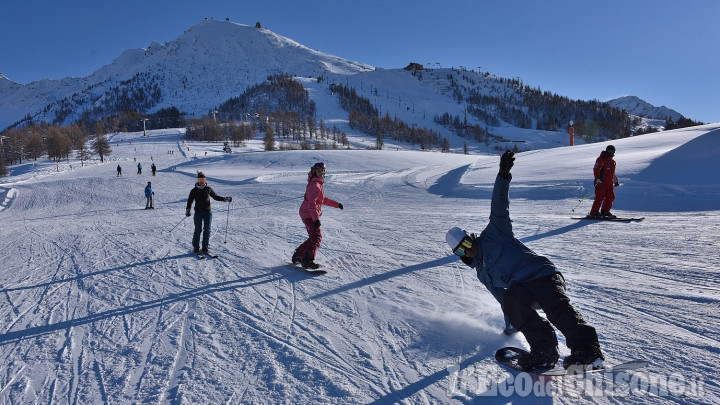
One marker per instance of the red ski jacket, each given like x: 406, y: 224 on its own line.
x: 311, y: 206
x: 605, y: 168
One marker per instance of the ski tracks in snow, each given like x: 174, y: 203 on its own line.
x: 112, y: 307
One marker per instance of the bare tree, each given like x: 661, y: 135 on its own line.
x: 58, y: 143
x: 101, y: 145
x: 3, y: 168
x: 269, y: 139
x: 35, y: 145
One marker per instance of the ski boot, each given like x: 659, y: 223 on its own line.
x: 585, y: 359
x: 308, y: 263
x: 536, y: 361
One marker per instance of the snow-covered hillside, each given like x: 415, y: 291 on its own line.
x: 102, y: 301
x: 215, y: 61
x: 206, y: 65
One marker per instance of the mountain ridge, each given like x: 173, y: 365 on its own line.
x: 637, y: 106
x: 195, y: 76
x: 214, y: 61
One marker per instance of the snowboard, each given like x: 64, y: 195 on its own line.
x: 611, y: 219
x: 314, y: 272
x: 203, y: 255
x: 509, y: 357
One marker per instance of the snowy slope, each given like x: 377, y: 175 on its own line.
x: 102, y: 303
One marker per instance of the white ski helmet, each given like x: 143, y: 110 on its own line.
x: 454, y: 236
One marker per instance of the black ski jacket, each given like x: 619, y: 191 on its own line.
x: 201, y: 196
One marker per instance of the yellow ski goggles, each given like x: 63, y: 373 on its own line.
x: 464, y: 245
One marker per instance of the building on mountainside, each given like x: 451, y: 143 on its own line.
x: 414, y: 66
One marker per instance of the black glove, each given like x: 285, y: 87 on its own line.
x: 187, y: 212
x: 317, y: 223
x: 507, y: 160
x: 228, y: 199
x: 616, y: 184
x: 340, y: 205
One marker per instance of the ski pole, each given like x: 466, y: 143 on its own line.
x: 177, y: 224
x: 227, y: 222
x: 583, y: 199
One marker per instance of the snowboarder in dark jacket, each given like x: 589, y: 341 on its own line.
x: 200, y: 194
x: 605, y: 183
x: 530, y: 282
x: 119, y: 171
x: 153, y: 168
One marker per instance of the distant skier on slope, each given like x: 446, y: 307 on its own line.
x: 139, y: 169
x: 310, y: 213
x: 149, y: 193
x: 153, y: 168
x: 119, y: 171
x: 530, y: 282
x: 605, y: 183
x: 200, y: 194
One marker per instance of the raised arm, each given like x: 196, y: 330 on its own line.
x: 500, y: 204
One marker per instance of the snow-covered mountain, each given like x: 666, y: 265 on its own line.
x: 209, y: 63
x: 636, y: 106
x: 214, y: 61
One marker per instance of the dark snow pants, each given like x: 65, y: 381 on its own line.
x: 310, y: 247
x: 549, y: 293
x: 203, y: 220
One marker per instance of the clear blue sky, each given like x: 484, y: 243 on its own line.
x: 666, y: 52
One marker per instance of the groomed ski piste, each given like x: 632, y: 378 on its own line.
x: 103, y: 302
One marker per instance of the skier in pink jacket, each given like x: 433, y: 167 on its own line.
x: 310, y: 212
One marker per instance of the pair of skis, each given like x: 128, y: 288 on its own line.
x: 619, y: 219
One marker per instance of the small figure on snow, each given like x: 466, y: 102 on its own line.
x: 119, y: 171
x: 153, y: 168
x: 310, y: 213
x: 529, y: 281
x: 200, y: 194
x: 605, y: 183
x: 139, y: 168
x: 149, y: 193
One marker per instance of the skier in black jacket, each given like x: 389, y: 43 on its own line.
x: 201, y: 194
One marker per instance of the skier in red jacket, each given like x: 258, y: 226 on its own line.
x: 605, y: 183
x: 310, y: 212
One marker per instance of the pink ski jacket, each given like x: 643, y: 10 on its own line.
x: 311, y: 206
